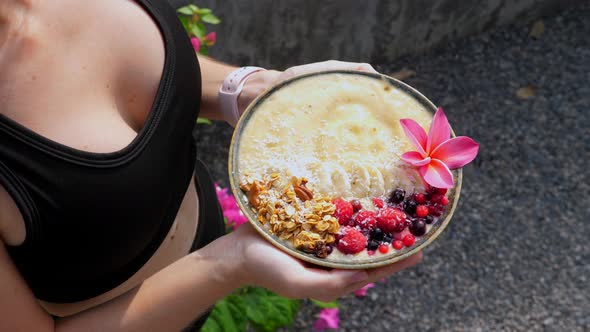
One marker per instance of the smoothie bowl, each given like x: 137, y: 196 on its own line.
x: 341, y: 168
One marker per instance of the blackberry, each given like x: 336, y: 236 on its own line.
x: 397, y: 196
x: 387, y: 238
x: 377, y: 234
x: 429, y: 219
x: 372, y: 245
x: 418, y: 227
x: 410, y: 206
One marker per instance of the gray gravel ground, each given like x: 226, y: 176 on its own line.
x: 516, y: 256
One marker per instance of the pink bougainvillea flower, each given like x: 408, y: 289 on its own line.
x: 437, y: 153
x: 362, y: 292
x: 328, y: 319
x: 230, y: 208
x: 210, y: 38
x: 196, y: 43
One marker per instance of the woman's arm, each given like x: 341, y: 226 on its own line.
x: 213, y: 73
x: 175, y: 296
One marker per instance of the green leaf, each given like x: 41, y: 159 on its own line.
x: 210, y: 18
x: 198, y: 30
x: 268, y: 311
x: 204, y: 11
x: 229, y: 314
x: 185, y: 23
x: 185, y: 11
x: 204, y: 50
x: 333, y: 304
x: 203, y: 121
x: 193, y: 8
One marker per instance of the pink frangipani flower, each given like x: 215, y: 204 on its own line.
x: 437, y: 153
x: 362, y: 292
x: 328, y: 319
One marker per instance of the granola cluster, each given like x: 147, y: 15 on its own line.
x: 294, y: 212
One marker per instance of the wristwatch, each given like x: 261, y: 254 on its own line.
x: 230, y: 91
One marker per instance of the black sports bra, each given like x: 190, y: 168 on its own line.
x: 93, y: 219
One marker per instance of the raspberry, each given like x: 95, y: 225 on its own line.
x: 397, y: 244
x: 409, y: 240
x: 343, y: 211
x: 420, y: 198
x: 378, y: 202
x: 352, y: 241
x: 383, y: 248
x: 366, y: 219
x: 422, y: 211
x: 391, y: 220
x: 356, y: 205
x: 444, y: 200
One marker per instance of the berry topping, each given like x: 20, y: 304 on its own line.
x: 378, y: 235
x: 440, y: 191
x: 356, y: 205
x: 436, y: 198
x: 418, y: 227
x: 397, y: 244
x: 422, y: 210
x: 343, y: 211
x: 435, y: 210
x: 373, y: 245
x: 401, y: 235
x: 397, y: 196
x: 420, y: 198
x: 366, y: 219
x: 370, y: 252
x: 391, y: 220
x: 387, y: 238
x: 352, y: 241
x: 444, y: 201
x: 410, y: 206
x: 409, y: 240
x: 429, y: 219
x: 378, y: 202
x: 383, y: 248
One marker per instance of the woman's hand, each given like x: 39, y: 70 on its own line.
x: 262, y: 80
x: 262, y: 264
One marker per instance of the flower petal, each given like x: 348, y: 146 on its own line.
x: 440, y: 131
x: 456, y: 152
x: 415, y: 159
x: 362, y: 292
x: 416, y: 134
x: 437, y: 174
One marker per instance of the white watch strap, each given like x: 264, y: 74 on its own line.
x: 231, y: 89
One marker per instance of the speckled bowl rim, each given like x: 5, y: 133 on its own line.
x: 378, y: 260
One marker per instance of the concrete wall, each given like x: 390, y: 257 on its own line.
x: 280, y: 33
